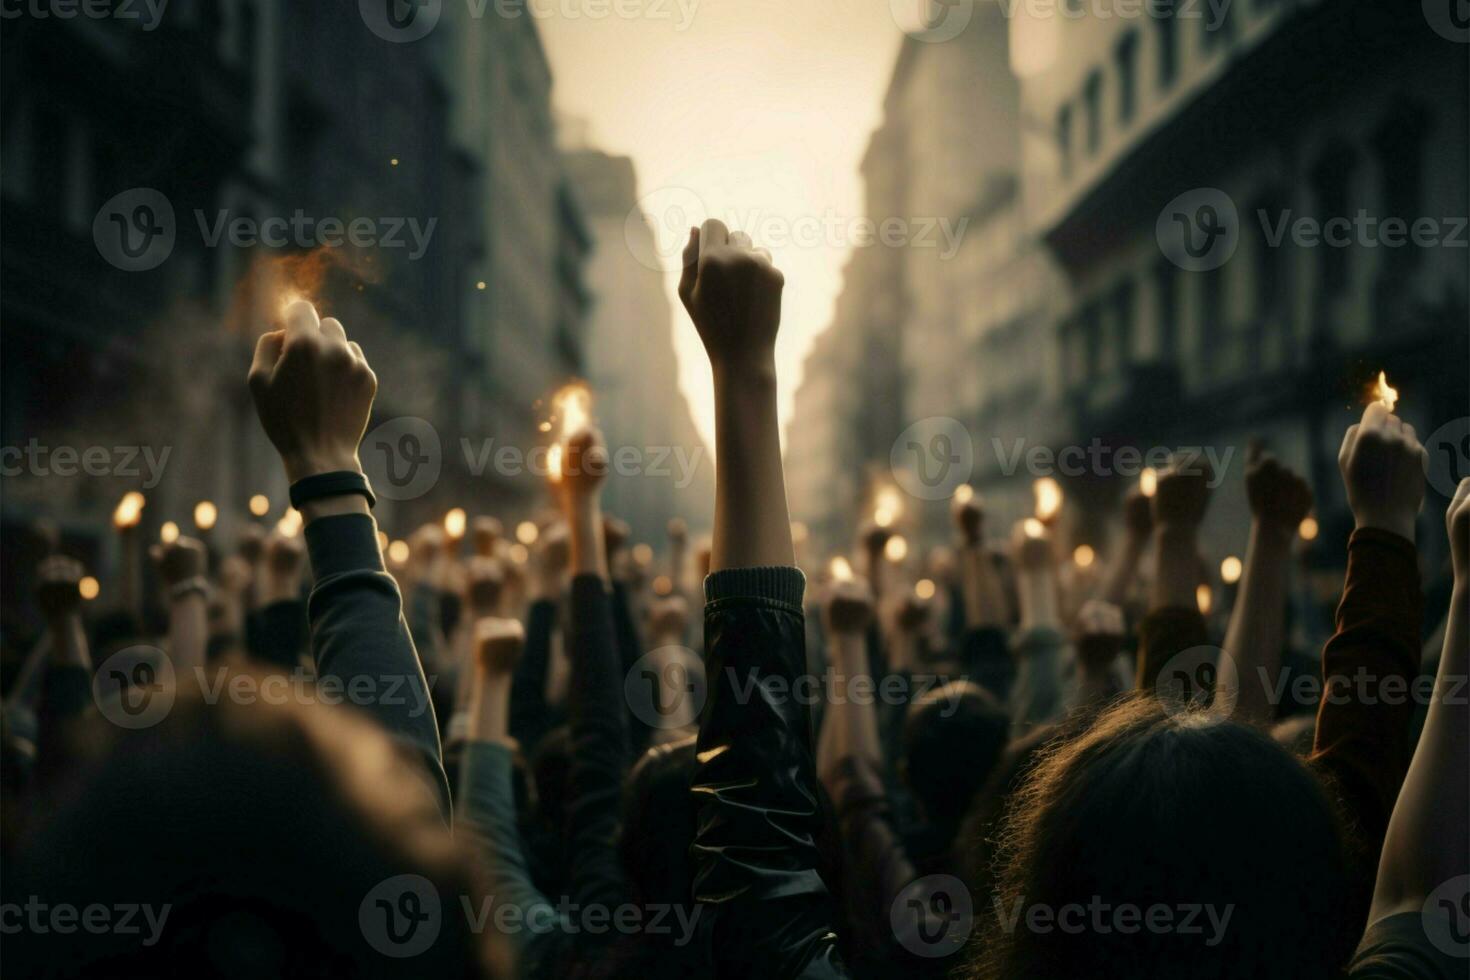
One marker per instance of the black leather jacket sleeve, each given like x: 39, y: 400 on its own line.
x: 764, y: 909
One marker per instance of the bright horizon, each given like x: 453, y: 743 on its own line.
x: 757, y: 113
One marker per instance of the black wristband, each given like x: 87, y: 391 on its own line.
x: 336, y: 484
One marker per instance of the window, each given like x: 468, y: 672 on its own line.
x: 1168, y: 35
x: 1122, y: 303
x: 1064, y: 138
x: 1330, y: 183
x: 1126, y: 57
x: 1092, y: 106
x: 1166, y: 285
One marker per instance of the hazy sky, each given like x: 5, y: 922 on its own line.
x: 756, y: 112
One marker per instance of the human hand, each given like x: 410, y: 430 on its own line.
x: 1383, y: 469
x: 584, y: 464
x: 58, y: 591
x: 235, y: 576
x: 1183, y: 493
x: 180, y: 560
x: 486, y: 532
x: 615, y: 534
x: 874, y: 539
x: 969, y: 518
x: 486, y: 583
x: 847, y: 608
x: 1099, y: 633
x: 1457, y: 523
x: 313, y: 393
x: 1138, y: 517
x: 914, y: 614
x: 1279, y: 498
x: 733, y: 295
x: 251, y: 543
x: 283, y: 561
x: 498, y: 646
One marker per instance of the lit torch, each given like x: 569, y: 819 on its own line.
x: 129, y: 510
x: 1048, y: 499
x: 887, y: 507
x: 572, y: 410
x: 1385, y: 392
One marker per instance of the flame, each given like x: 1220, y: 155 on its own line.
x: 89, y: 588
x: 553, y: 461
x: 1048, y: 497
x: 1084, y: 556
x: 273, y: 282
x: 169, y: 533
x: 1385, y: 392
x: 1033, y: 528
x: 1148, y: 481
x: 897, y: 549
x: 527, y: 532
x: 129, y: 510
x: 290, y: 523
x: 205, y: 514
x: 841, y: 569
x: 924, y: 588
x: 887, y: 507
x: 1203, y: 599
x: 1230, y: 570
x: 454, y: 523
x: 964, y: 493
x: 572, y: 407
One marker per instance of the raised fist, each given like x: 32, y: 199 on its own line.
x: 1457, y: 522
x: 584, y: 466
x: 498, y: 645
x: 733, y: 295
x: 848, y: 607
x: 1099, y: 633
x: 668, y: 616
x: 1183, y: 492
x: 1031, y: 546
x: 313, y: 392
x: 1278, y: 497
x: 179, y: 560
x: 486, y: 583
x: 58, y: 586
x: 615, y: 534
x: 486, y: 532
x: 1383, y: 469
x: 969, y: 518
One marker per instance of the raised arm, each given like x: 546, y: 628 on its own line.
x: 1426, y: 845
x: 313, y: 392
x: 1138, y: 523
x: 1173, y: 622
x: 1279, y: 501
x: 763, y: 907
x: 181, y: 566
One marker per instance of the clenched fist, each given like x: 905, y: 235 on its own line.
x: 1383, y: 468
x: 733, y: 295
x: 848, y: 607
x: 313, y: 391
x: 1279, y: 498
x: 498, y: 645
x: 1183, y: 493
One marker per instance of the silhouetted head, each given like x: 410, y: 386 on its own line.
x: 260, y: 839
x: 1166, y: 846
x: 952, y: 736
x: 658, y: 824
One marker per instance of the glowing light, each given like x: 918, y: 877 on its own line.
x: 1048, y: 497
x: 169, y: 533
x: 260, y: 505
x: 519, y: 553
x: 398, y: 552
x: 897, y: 549
x: 887, y: 507
x: 841, y: 569
x: 1148, y: 481
x: 1385, y: 392
x: 454, y: 523
x: 1203, y: 599
x: 643, y: 554
x: 382, y: 540
x: 527, y: 532
x: 924, y: 588
x: 572, y: 406
x: 1308, y: 528
x: 89, y: 588
x: 964, y: 493
x: 480, y: 285
x: 393, y: 162
x: 205, y: 514
x: 129, y: 510
x: 663, y: 585
x: 1083, y: 556
x: 1230, y: 570
x: 1033, y: 528
x: 553, y: 461
x: 290, y: 523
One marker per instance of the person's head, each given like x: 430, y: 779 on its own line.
x: 1156, y: 845
x: 261, y: 839
x: 658, y: 824
x: 952, y: 737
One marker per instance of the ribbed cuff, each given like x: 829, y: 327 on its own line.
x: 343, y: 543
x: 778, y: 583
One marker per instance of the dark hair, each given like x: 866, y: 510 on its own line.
x: 264, y: 831
x: 1146, y: 808
x: 958, y: 717
x: 658, y: 825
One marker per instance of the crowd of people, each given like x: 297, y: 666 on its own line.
x: 328, y: 760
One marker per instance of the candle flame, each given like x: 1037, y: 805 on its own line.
x: 1385, y: 392
x: 169, y: 533
x: 1230, y: 570
x: 398, y: 552
x: 129, y: 510
x: 1048, y: 497
x: 1033, y: 528
x: 553, y: 461
x: 897, y: 549
x: 454, y: 523
x: 205, y: 514
x: 572, y: 406
x: 89, y: 588
x: 1148, y: 481
x: 888, y: 507
x: 1203, y: 599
